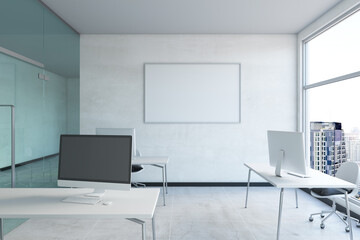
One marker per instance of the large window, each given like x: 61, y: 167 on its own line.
x: 332, y: 94
x: 335, y: 52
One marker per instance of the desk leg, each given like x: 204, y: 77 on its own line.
x: 164, y: 185
x: 166, y: 180
x: 247, y: 189
x: 143, y: 225
x: 296, y: 198
x: 280, y: 212
x: 153, y: 227
x: 1, y: 229
x: 348, y: 214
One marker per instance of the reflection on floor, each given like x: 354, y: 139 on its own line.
x: 38, y: 174
x: 202, y: 213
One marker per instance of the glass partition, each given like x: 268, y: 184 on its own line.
x: 5, y: 144
x: 39, y: 75
x: 7, y: 90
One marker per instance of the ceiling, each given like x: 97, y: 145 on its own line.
x: 189, y: 16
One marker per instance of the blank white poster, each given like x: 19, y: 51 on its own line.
x: 192, y: 93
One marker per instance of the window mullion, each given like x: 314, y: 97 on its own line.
x: 333, y: 80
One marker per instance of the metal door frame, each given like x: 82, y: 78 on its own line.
x: 12, y: 107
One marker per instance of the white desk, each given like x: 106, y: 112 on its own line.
x: 133, y: 205
x: 156, y: 161
x: 317, y: 180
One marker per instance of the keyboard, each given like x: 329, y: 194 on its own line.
x: 82, y: 200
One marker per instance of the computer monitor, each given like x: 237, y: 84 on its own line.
x: 286, y: 152
x: 95, y: 161
x: 119, y: 131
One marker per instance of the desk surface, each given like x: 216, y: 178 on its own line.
x: 151, y: 160
x: 317, y: 179
x: 47, y: 202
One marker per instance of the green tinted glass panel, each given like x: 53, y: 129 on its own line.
x: 21, y: 27
x: 46, y: 100
x: 61, y: 47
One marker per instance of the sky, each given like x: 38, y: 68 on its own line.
x: 334, y: 53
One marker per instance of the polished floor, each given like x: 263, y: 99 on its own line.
x: 42, y: 173
x: 197, y: 213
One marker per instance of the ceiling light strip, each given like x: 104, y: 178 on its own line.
x: 21, y: 57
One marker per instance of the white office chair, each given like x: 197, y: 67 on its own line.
x: 348, y: 171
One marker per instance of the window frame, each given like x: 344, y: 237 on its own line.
x: 303, y: 87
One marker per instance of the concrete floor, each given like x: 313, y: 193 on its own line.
x: 198, y: 213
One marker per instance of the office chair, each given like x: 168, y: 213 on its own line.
x: 135, y: 168
x: 125, y: 131
x: 348, y: 171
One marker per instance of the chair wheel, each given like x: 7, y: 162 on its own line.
x: 358, y: 225
x: 322, y: 226
x: 345, y: 218
x: 347, y: 229
x: 311, y: 219
x: 322, y: 215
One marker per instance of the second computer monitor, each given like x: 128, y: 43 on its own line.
x: 120, y: 131
x: 286, y: 152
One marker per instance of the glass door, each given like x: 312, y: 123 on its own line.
x: 7, y: 93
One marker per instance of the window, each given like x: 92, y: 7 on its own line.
x: 335, y: 52
x: 332, y: 93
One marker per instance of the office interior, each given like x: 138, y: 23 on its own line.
x: 70, y: 67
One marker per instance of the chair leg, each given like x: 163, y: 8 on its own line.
x: 357, y: 221
x: 322, y: 214
x: 325, y: 212
x: 344, y: 217
x: 324, y: 219
x: 313, y: 214
x: 330, y: 212
x: 137, y: 184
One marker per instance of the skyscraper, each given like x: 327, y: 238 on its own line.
x: 352, y: 140
x: 327, y: 146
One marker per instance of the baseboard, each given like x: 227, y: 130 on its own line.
x: 30, y: 161
x: 208, y: 184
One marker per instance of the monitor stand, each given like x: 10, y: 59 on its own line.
x: 299, y: 175
x: 87, y: 198
x: 279, y: 161
x: 97, y: 193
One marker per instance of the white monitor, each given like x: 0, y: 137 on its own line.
x: 119, y: 131
x: 95, y: 161
x: 286, y: 152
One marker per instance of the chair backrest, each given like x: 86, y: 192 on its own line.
x: 119, y: 131
x: 349, y: 171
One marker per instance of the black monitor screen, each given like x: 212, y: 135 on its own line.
x: 95, y: 158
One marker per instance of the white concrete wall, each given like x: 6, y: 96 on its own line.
x: 112, y: 95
